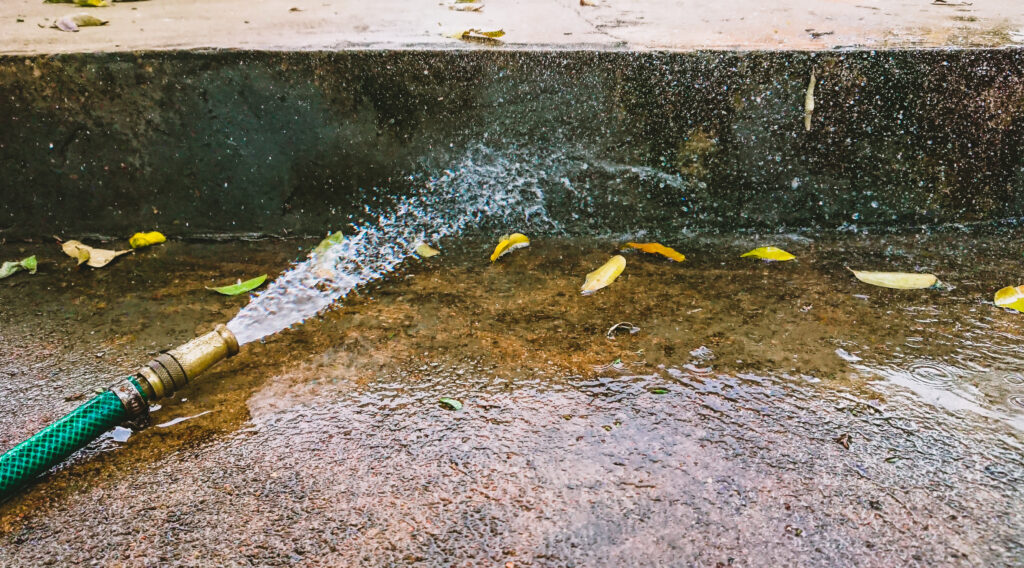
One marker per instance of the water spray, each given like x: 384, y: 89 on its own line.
x: 126, y: 401
x: 484, y: 185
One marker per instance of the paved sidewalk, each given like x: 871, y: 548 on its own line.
x: 558, y: 24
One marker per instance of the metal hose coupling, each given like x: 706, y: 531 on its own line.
x: 171, y: 371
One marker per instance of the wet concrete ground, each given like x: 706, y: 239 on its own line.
x: 728, y: 431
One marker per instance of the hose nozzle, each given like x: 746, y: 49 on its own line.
x: 171, y: 371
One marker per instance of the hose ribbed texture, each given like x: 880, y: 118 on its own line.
x: 59, y: 440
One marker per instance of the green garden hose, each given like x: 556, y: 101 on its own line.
x: 127, y: 400
x: 59, y: 440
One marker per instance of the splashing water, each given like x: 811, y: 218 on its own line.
x: 483, y: 186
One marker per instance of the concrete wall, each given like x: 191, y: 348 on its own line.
x: 227, y: 143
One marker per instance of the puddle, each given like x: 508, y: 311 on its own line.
x: 780, y: 412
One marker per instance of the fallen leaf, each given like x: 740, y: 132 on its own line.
x: 476, y: 35
x: 604, y: 276
x: 92, y: 3
x: 657, y: 248
x: 240, y: 287
x: 86, y: 20
x: 770, y: 253
x: 509, y: 243
x: 659, y: 391
x: 10, y: 267
x: 331, y: 240
x: 450, y: 403
x: 426, y: 251
x: 72, y: 23
x: 809, y: 103
x: 465, y: 7
x: 323, y: 261
x: 587, y: 3
x: 94, y: 257
x: 896, y: 280
x: 1011, y: 297
x: 139, y: 240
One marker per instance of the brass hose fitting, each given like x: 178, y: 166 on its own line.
x: 171, y: 371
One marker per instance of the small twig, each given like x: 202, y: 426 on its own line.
x: 633, y: 330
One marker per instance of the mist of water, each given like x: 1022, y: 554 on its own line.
x: 482, y: 186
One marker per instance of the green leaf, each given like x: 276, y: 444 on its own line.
x: 659, y: 391
x: 10, y: 267
x: 240, y: 287
x: 450, y: 403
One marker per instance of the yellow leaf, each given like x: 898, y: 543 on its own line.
x: 657, y: 248
x: 508, y: 244
x: 604, y: 276
x: 426, y: 251
x: 94, y: 257
x: 139, y: 240
x: 92, y: 3
x: 896, y: 280
x: 770, y: 253
x: 1011, y: 297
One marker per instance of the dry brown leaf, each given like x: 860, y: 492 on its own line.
x: 481, y: 36
x: 94, y: 257
x: 466, y: 7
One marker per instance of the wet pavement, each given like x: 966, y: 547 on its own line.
x: 763, y: 414
x: 304, y: 25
